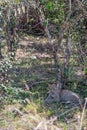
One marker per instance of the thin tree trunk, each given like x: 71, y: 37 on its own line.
x: 67, y: 59
x: 27, y: 13
x: 21, y: 10
x: 0, y: 47
x: 0, y: 53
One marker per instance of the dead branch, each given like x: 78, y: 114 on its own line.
x: 83, y: 112
x: 39, y: 125
x: 57, y: 117
x: 17, y: 112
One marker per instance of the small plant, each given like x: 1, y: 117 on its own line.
x: 5, y: 66
x: 85, y: 71
x: 5, y: 81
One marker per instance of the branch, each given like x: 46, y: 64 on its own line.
x: 55, y: 118
x: 70, y: 5
x: 39, y: 125
x: 83, y: 114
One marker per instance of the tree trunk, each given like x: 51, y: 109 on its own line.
x: 66, y: 64
x: 0, y: 47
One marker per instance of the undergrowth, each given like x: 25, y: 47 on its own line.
x: 23, y: 108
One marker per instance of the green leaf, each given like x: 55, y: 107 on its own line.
x: 86, y: 71
x: 42, y: 1
x: 18, y: 1
x: 65, y: 128
x: 49, y: 6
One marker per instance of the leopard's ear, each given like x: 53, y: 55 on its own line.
x: 51, y: 85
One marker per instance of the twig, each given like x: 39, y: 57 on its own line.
x: 17, y: 111
x: 55, y: 118
x: 68, y: 111
x: 80, y: 128
x: 39, y: 82
x: 45, y: 126
x: 39, y: 125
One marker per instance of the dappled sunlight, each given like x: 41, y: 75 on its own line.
x: 80, y: 73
